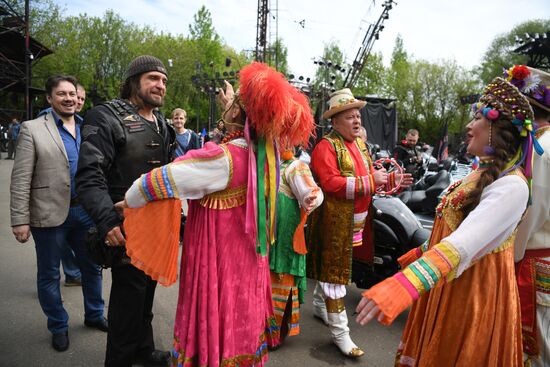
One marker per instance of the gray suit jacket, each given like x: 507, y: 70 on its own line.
x: 40, y: 191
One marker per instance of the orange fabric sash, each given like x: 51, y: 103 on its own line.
x: 299, y: 238
x: 525, y: 276
x: 152, y: 239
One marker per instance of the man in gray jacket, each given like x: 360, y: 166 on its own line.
x: 43, y: 202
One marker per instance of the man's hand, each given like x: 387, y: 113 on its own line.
x: 380, y: 177
x: 407, y: 179
x: 115, y: 238
x: 120, y: 206
x: 225, y: 97
x: 22, y: 233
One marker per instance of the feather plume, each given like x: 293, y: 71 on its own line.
x: 275, y: 108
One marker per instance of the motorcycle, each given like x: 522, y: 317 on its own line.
x: 4, y: 138
x: 396, y: 230
x: 423, y: 197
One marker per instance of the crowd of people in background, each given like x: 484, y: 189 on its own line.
x: 107, y: 190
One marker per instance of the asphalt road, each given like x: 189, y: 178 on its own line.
x: 25, y: 339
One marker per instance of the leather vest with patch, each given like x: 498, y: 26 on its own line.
x: 139, y: 149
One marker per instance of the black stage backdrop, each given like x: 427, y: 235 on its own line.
x: 379, y: 117
x: 380, y: 120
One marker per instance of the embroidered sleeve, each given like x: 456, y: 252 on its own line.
x: 398, y: 292
x: 193, y: 176
x: 325, y: 166
x: 413, y: 255
x: 300, y: 180
x: 492, y: 222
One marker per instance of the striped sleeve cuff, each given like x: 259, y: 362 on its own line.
x: 359, y: 186
x: 350, y: 187
x: 391, y: 181
x: 435, y: 264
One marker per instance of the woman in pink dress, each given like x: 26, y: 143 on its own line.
x: 224, y: 315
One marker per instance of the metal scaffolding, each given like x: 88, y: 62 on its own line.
x: 17, y: 53
x: 373, y: 33
x: 261, y: 31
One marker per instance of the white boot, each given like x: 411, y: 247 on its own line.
x: 319, y: 307
x: 339, y: 330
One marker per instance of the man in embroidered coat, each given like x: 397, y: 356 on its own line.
x: 343, y: 167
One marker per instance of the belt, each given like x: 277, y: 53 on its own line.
x: 75, y: 201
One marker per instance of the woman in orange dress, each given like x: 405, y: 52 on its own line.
x: 462, y: 283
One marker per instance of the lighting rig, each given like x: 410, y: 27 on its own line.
x: 209, y: 82
x: 372, y: 35
x: 537, y: 47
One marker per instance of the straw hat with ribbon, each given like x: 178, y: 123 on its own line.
x: 342, y: 100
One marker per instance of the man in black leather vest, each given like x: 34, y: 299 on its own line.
x: 406, y: 153
x: 122, y: 139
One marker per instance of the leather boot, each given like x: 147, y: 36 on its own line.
x: 339, y: 330
x: 319, y: 307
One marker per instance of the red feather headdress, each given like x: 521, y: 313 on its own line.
x: 276, y: 110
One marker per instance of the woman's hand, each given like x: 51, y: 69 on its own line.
x: 310, y: 203
x: 367, y: 310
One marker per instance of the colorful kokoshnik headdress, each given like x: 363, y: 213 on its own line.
x: 502, y: 99
x: 533, y: 83
x: 279, y: 115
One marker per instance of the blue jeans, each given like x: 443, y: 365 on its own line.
x: 70, y: 266
x: 50, y: 243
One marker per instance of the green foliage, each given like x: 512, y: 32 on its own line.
x: 428, y: 94
x: 97, y: 50
x: 277, y: 57
x: 500, y: 53
x: 373, y: 77
x: 325, y: 75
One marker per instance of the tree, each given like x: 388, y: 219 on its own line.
x: 373, y: 79
x: 207, y: 39
x: 500, y: 53
x: 278, y: 56
x: 327, y: 76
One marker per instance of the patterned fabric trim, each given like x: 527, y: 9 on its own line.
x: 435, y: 264
x: 391, y: 181
x: 542, y: 276
x: 280, y: 293
x: 225, y: 199
x: 350, y: 188
x: 230, y: 158
x: 179, y: 359
x: 358, y: 226
x: 240, y: 142
x: 158, y: 184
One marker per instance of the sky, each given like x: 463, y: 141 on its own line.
x: 432, y: 30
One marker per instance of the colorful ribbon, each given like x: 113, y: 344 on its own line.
x: 261, y: 242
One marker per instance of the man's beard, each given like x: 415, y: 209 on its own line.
x: 149, y: 101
